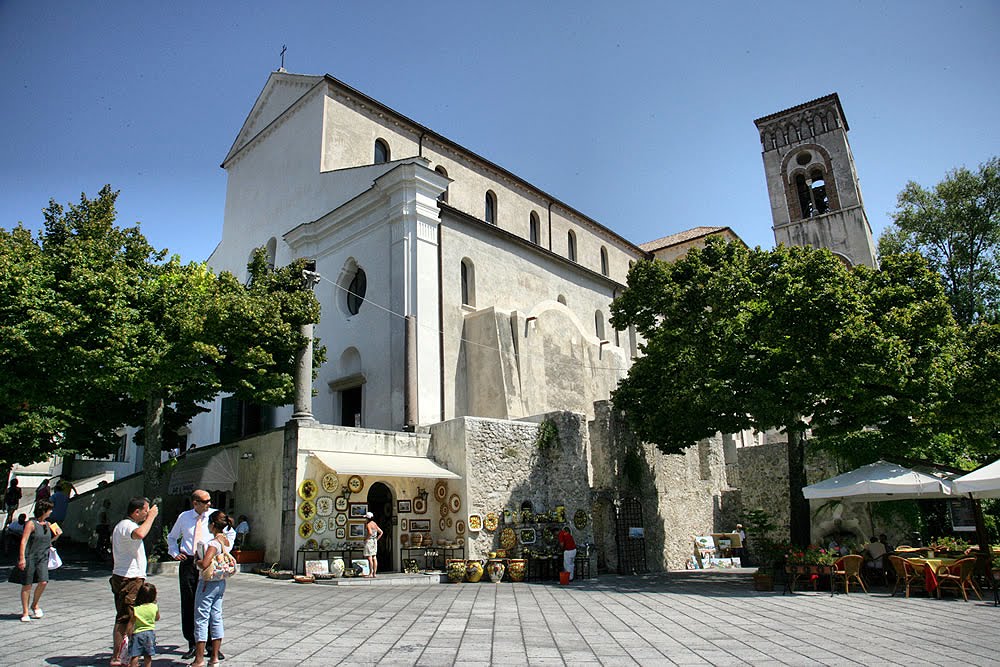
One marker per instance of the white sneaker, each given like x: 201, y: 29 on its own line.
x: 37, y: 612
x: 25, y: 619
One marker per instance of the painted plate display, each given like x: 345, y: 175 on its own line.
x: 419, y: 506
x: 308, y: 489
x: 312, y: 544
x: 455, y: 503
x: 305, y: 529
x: 580, y: 519
x: 324, y: 506
x: 307, y: 510
x: 340, y: 519
x: 527, y: 536
x: 441, y: 490
x: 475, y: 523
x: 319, y: 525
x: 355, y: 484
x: 443, y: 510
x: 508, y: 538
x: 340, y: 534
x: 325, y: 543
x: 460, y: 527
x: 441, y: 524
x: 448, y: 521
x: 330, y: 482
x: 491, y: 522
x: 340, y: 503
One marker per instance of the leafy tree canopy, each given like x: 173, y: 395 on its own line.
x: 956, y: 226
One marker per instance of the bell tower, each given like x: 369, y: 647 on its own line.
x: 812, y: 182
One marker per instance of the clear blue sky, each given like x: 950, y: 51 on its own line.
x: 638, y: 114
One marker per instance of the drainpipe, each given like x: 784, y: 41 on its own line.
x: 550, y: 226
x: 441, y: 314
x: 420, y: 144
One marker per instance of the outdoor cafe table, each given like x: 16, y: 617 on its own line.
x: 812, y: 572
x: 932, y: 565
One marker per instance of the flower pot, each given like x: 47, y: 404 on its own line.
x: 517, y: 569
x: 763, y: 581
x: 473, y: 571
x: 455, y: 568
x: 495, y: 569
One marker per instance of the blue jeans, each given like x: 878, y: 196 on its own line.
x: 208, y: 610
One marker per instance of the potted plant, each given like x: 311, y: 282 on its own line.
x: 765, y: 549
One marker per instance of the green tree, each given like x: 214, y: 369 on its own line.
x: 738, y: 338
x: 103, y: 332
x: 956, y: 226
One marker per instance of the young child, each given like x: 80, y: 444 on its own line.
x: 144, y: 617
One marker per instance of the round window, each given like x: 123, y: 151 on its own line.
x: 803, y: 158
x: 356, y: 292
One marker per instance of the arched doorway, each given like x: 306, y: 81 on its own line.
x: 380, y: 504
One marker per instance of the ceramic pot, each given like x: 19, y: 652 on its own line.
x: 337, y: 567
x: 473, y: 571
x: 495, y: 569
x: 517, y: 569
x: 455, y: 569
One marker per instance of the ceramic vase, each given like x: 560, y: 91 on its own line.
x: 495, y: 569
x: 473, y: 571
x: 337, y: 567
x: 455, y: 570
x: 517, y: 568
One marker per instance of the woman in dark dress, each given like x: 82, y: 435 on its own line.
x: 33, y: 559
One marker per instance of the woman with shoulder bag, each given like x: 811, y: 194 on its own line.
x: 208, y: 596
x: 33, y: 559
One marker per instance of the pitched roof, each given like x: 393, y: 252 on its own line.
x: 680, y: 237
x: 832, y: 97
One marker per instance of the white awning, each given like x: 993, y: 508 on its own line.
x: 212, y: 469
x: 383, y: 465
x: 883, y: 481
x: 983, y: 483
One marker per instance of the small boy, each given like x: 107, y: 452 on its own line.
x: 144, y: 617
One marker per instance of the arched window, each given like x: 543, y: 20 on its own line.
x: 444, y: 195
x: 813, y: 199
x: 818, y: 187
x: 561, y: 299
x: 599, y: 324
x: 534, y: 228
x: 571, y: 245
x: 272, y: 250
x: 604, y: 261
x: 356, y: 291
x: 491, y: 208
x: 468, y: 283
x: 381, y: 151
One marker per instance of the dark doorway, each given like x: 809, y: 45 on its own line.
x: 350, y: 407
x: 380, y: 504
x: 630, y: 537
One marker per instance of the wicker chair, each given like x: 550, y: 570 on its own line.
x: 959, y: 575
x: 847, y: 568
x: 905, y: 575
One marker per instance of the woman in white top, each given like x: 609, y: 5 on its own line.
x: 208, y: 597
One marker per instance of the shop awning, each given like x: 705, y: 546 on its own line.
x: 212, y: 470
x: 383, y: 465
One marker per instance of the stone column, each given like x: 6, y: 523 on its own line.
x: 303, y: 377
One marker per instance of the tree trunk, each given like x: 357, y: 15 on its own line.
x: 798, y: 505
x: 153, y: 442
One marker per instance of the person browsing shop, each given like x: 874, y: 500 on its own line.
x: 568, y: 545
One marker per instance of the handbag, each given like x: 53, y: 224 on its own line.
x: 55, y: 561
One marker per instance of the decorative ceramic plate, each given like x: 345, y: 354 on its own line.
x: 312, y: 544
x: 319, y: 525
x: 340, y: 534
x: 448, y: 521
x: 580, y: 519
x: 559, y: 515
x: 308, y: 489
x: 340, y: 519
x: 307, y: 510
x: 527, y: 536
x: 491, y: 522
x: 475, y: 523
x: 443, y: 510
x: 305, y: 529
x: 325, y: 543
x: 455, y: 503
x: 324, y: 506
x: 340, y: 503
x: 508, y: 538
x: 403, y: 525
x: 419, y: 506
x: 460, y: 527
x: 441, y: 490
x: 355, y: 484
x: 330, y: 482
x: 441, y: 524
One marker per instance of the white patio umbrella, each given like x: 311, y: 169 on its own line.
x: 882, y: 481
x: 982, y: 483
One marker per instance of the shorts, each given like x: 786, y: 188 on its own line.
x: 36, y: 569
x: 142, y: 643
x: 125, y: 590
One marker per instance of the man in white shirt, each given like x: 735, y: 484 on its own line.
x: 190, y: 529
x: 129, y: 571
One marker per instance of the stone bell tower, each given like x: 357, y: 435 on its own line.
x: 812, y: 183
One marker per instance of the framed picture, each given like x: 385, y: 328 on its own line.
x: 356, y: 531
x: 404, y: 525
x: 404, y: 506
x: 317, y: 567
x: 361, y: 566
x: 527, y: 536
x: 420, y: 525
x: 358, y: 510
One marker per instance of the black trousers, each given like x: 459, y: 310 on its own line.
x: 187, y: 576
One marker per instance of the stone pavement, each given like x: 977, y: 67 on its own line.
x: 679, y: 618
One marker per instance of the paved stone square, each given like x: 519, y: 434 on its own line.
x: 677, y: 618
